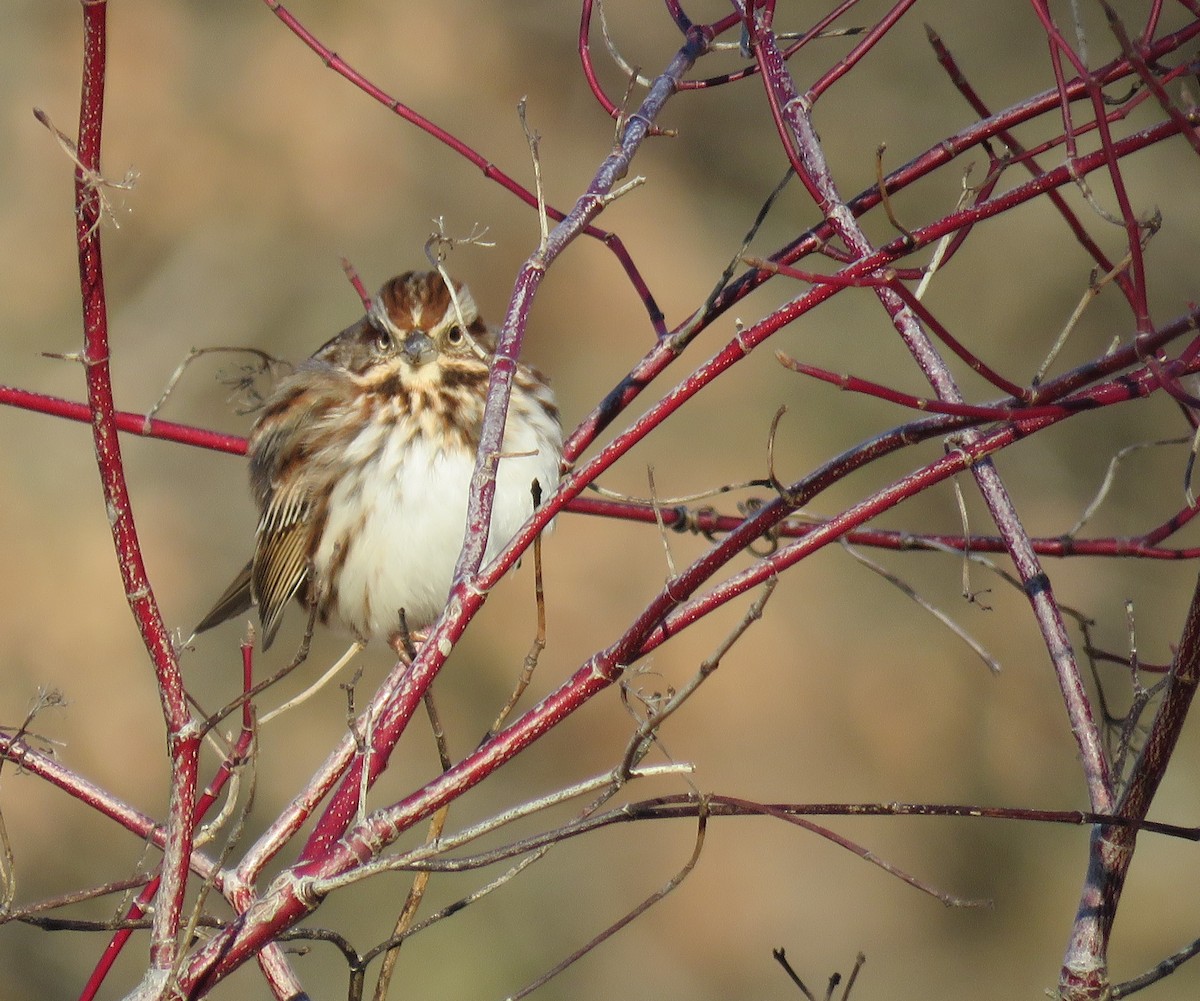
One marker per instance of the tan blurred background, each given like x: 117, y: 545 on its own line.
x: 258, y: 169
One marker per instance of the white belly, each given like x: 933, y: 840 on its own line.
x: 411, y: 513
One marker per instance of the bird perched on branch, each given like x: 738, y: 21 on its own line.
x: 361, y: 463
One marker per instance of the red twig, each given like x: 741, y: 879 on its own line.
x: 130, y: 423
x: 204, y: 802
x: 1133, y: 227
x: 342, y: 839
x: 948, y: 149
x: 813, y: 32
x: 1150, y: 79
x: 1020, y: 155
x: 183, y: 739
x: 665, y: 352
x: 332, y: 848
x: 855, y: 55
x: 489, y: 169
x: 1085, y: 966
x: 970, y: 450
x: 805, y: 153
x: 712, y: 523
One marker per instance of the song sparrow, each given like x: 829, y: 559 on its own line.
x: 361, y: 462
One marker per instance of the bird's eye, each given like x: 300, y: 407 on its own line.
x: 382, y: 340
x: 455, y: 335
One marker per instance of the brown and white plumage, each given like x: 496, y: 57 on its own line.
x: 361, y: 461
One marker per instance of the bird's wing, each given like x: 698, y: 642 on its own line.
x: 286, y: 536
x: 291, y: 484
x: 235, y: 600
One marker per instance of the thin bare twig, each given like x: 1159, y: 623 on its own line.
x: 539, y: 639
x: 692, y: 325
x: 352, y: 651
x: 438, y: 247
x: 977, y: 648
x: 1095, y: 286
x: 45, y: 699
x: 885, y: 198
x: 420, y: 883
x: 859, y: 961
x: 616, y: 926
x: 625, y: 67
x: 1110, y: 477
x: 781, y: 958
x: 681, y: 499
x: 417, y: 858
x: 966, y: 197
x: 300, y: 657
x: 1158, y: 972
x: 658, y: 519
x: 534, y: 141
x: 655, y: 719
x: 266, y: 363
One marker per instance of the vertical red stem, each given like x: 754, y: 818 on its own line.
x: 183, y: 741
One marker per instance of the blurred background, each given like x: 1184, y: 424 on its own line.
x: 258, y: 168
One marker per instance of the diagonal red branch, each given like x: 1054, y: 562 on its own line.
x: 330, y: 849
x: 234, y: 760
x: 792, y: 114
x: 344, y: 838
x: 489, y: 169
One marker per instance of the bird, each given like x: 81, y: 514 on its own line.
x: 361, y: 462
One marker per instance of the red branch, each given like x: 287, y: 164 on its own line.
x: 489, y: 169
x: 1149, y: 361
x: 183, y: 739
x: 182, y: 434
x: 331, y: 849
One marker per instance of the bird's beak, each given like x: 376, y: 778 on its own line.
x: 419, y: 348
